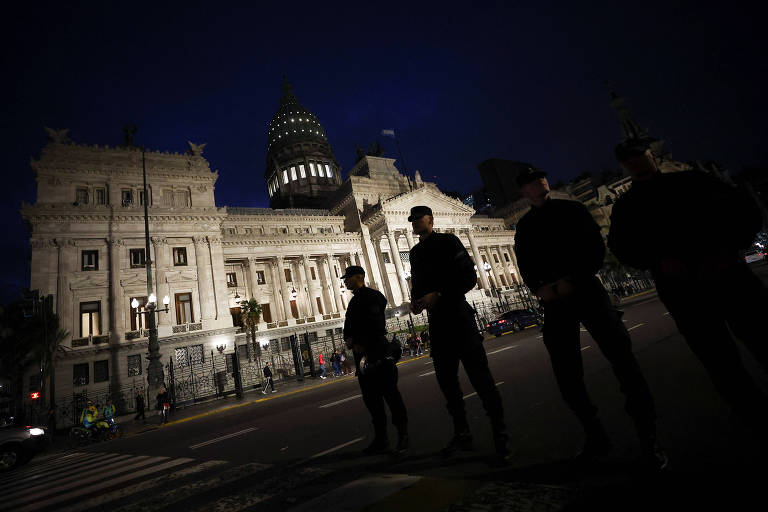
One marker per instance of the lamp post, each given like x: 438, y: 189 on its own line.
x: 155, y: 376
x: 407, y: 276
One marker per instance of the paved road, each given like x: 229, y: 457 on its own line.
x: 282, y: 452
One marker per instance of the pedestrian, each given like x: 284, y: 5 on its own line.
x: 365, y: 333
x: 419, y: 348
x: 336, y: 363
x: 425, y: 340
x: 140, y: 406
x: 712, y: 295
x: 163, y: 404
x: 442, y: 273
x: 268, y: 381
x: 571, y: 293
x: 322, y: 365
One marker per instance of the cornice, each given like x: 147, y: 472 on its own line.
x: 282, y: 239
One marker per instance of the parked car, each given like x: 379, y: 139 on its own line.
x: 753, y: 255
x: 515, y: 320
x: 19, y: 444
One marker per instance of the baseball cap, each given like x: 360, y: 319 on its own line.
x: 418, y: 212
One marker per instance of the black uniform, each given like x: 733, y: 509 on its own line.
x: 701, y: 223
x: 561, y: 240
x: 268, y: 376
x: 366, y: 325
x: 440, y: 263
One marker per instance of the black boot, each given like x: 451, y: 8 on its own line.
x: 597, y: 443
x: 403, y: 443
x: 377, y: 446
x: 460, y: 441
x: 501, y: 443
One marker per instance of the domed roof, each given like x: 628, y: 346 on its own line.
x: 293, y: 122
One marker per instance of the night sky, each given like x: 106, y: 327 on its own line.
x: 460, y: 82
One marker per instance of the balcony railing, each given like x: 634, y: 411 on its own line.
x: 90, y: 340
x: 176, y: 329
x: 139, y: 333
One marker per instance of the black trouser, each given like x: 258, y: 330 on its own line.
x: 268, y: 380
x: 707, y: 314
x: 377, y: 387
x: 591, y: 306
x: 140, y: 413
x: 475, y: 362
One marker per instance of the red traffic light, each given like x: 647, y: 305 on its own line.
x: 34, y: 395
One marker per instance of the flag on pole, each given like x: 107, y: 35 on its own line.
x: 388, y: 133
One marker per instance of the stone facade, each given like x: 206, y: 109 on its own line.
x: 88, y: 251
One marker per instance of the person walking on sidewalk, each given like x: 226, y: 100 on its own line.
x: 442, y: 273
x: 713, y: 295
x: 336, y: 363
x: 140, y: 406
x: 571, y: 293
x: 365, y: 333
x: 267, y: 379
x: 322, y: 365
x: 163, y: 404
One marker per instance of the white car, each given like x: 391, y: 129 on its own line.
x: 753, y: 255
x: 19, y: 444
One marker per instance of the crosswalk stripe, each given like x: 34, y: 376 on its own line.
x: 161, y: 501
x: 103, y: 485
x: 51, y: 459
x: 72, y: 471
x: 141, y: 486
x: 23, y: 472
x: 46, y: 489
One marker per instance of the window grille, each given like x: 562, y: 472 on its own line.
x: 134, y: 365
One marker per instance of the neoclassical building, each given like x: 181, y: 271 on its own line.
x: 88, y: 249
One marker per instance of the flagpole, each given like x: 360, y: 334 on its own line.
x: 400, y: 153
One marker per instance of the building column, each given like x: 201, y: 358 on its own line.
x: 334, y: 283
x: 117, y: 316
x: 219, y: 279
x: 311, y: 286
x: 387, y: 285
x: 325, y: 281
x: 162, y: 288
x: 507, y: 275
x: 493, y: 266
x: 478, y: 261
x: 277, y: 296
x: 409, y: 238
x: 303, y: 269
x: 284, y: 288
x: 252, y: 280
x: 371, y: 263
x: 398, y: 266
x: 513, y: 256
x: 64, y: 299
x: 204, y: 281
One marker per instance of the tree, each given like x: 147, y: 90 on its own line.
x: 251, y: 311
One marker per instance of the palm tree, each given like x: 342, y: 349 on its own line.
x: 251, y: 311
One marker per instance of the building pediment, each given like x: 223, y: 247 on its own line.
x: 400, y: 205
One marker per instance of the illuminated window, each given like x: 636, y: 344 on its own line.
x: 293, y: 174
x: 320, y: 170
x: 312, y: 168
x: 302, y: 172
x: 90, y: 319
x: 329, y: 171
x: 285, y: 176
x: 90, y: 260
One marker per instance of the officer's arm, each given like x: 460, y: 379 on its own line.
x: 589, y: 257
x: 460, y: 273
x: 526, y: 260
x: 624, y: 239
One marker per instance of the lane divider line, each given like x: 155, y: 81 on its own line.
x: 503, y: 349
x: 473, y: 394
x: 337, y: 447
x: 428, y: 373
x: 222, y: 438
x: 339, y: 401
x: 636, y: 326
x: 585, y: 348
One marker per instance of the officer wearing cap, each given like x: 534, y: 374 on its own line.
x: 559, y: 250
x: 365, y: 333
x: 442, y: 272
x: 710, y: 292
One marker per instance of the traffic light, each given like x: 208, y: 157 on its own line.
x: 34, y: 395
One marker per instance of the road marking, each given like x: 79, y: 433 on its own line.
x: 473, y: 394
x: 222, y: 438
x: 540, y: 336
x: 583, y: 330
x: 636, y: 326
x: 339, y: 401
x: 142, y: 486
x: 46, y: 489
x: 502, y: 349
x: 430, y: 362
x: 585, y: 348
x: 105, y: 484
x: 337, y: 447
x: 665, y: 314
x: 428, y: 373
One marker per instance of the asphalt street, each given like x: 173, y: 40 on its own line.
x: 285, y: 451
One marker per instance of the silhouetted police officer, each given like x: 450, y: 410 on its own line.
x: 559, y: 250
x: 365, y: 333
x: 442, y: 272
x: 687, y: 228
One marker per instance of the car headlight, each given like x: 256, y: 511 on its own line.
x: 36, y: 431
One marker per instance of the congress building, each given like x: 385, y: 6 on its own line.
x: 87, y: 237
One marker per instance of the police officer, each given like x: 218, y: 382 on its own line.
x: 559, y: 250
x: 365, y: 333
x: 687, y: 228
x: 442, y: 272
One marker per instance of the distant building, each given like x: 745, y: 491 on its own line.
x: 499, y: 183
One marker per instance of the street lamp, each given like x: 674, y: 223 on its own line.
x: 237, y: 298
x: 294, y: 294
